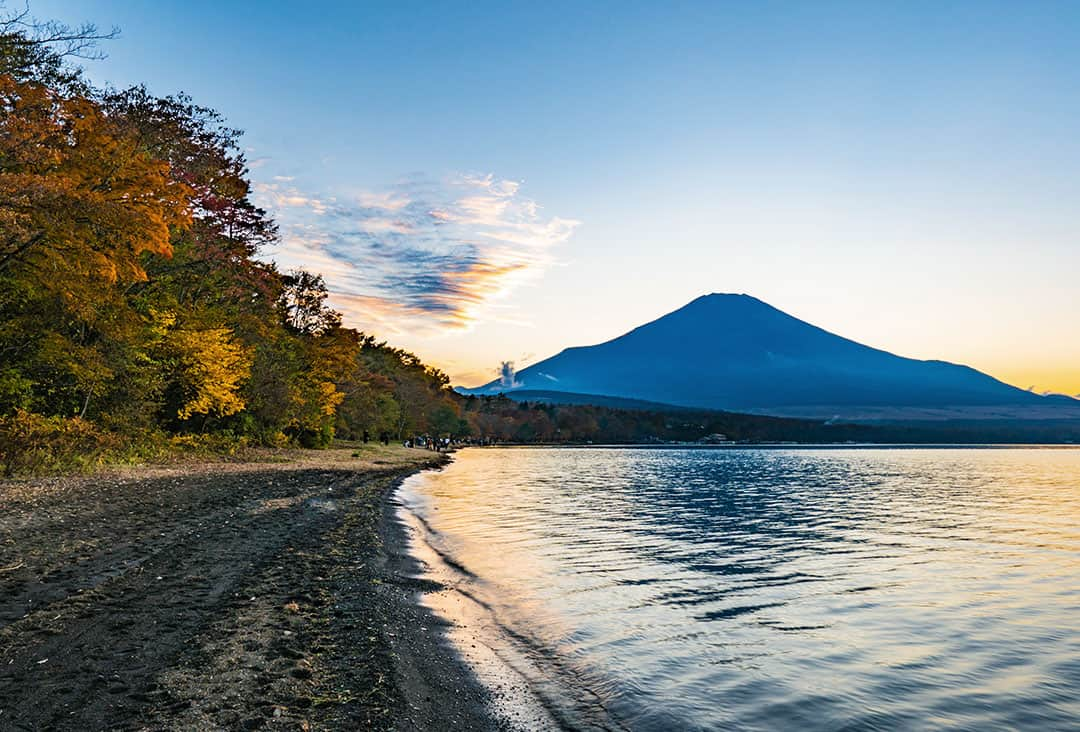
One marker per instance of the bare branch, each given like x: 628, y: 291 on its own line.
x: 36, y: 50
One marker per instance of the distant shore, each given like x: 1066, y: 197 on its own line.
x: 223, y: 595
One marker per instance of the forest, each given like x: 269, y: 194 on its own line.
x: 135, y: 313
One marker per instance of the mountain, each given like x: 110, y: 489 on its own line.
x: 735, y: 352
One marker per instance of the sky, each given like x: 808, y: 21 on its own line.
x: 482, y: 182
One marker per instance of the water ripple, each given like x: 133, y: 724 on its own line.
x: 778, y: 588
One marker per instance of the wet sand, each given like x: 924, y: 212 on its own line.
x: 236, y: 595
x: 468, y: 626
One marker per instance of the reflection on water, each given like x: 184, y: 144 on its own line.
x: 775, y: 588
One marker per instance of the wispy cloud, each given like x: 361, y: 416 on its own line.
x: 420, y: 255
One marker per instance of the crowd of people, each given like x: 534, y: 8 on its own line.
x: 445, y: 444
x: 437, y: 444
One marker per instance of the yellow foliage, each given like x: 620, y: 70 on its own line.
x: 161, y: 321
x: 212, y: 369
x: 330, y: 398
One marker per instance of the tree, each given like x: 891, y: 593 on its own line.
x: 209, y: 367
x: 77, y: 193
x: 303, y: 302
x: 443, y: 420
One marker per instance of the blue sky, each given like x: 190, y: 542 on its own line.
x: 490, y: 181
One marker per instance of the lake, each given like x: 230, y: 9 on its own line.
x: 762, y: 588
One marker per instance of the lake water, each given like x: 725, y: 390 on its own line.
x: 682, y: 589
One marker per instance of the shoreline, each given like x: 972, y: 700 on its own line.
x: 223, y: 595
x: 441, y: 688
x: 470, y: 630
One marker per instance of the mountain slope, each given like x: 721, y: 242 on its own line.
x: 736, y: 352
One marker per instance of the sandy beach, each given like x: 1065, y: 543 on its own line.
x: 223, y: 595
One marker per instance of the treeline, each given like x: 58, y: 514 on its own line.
x: 133, y: 309
x: 547, y: 421
x: 510, y: 421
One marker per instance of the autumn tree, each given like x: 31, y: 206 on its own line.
x: 207, y: 368
x: 79, y: 196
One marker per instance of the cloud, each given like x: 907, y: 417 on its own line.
x: 420, y: 256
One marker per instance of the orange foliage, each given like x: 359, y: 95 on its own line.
x: 77, y: 194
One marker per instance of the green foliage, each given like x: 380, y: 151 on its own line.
x: 443, y: 420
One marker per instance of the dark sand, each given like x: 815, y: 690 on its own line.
x: 223, y: 596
